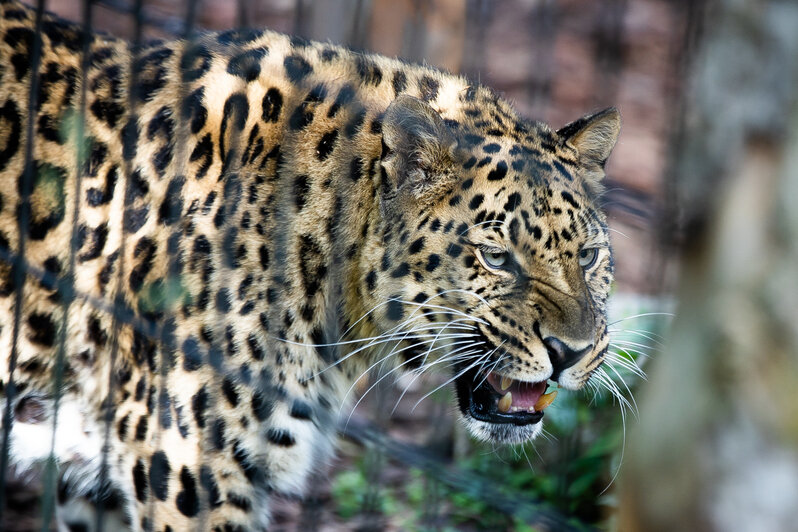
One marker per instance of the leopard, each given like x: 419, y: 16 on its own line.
x: 206, y: 243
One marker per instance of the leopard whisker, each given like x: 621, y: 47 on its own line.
x: 452, y: 379
x: 371, y: 338
x: 385, y: 375
x: 426, y: 355
x: 506, y: 363
x: 431, y: 343
x: 389, y: 336
x: 640, y: 348
x: 397, y: 333
x: 423, y: 304
x: 482, y: 366
x: 612, y: 387
x: 595, y: 388
x: 494, y: 221
x: 448, y: 359
x: 454, y: 324
x: 456, y: 354
x: 445, y: 311
x: 646, y: 343
x: 642, y: 315
x: 615, y: 359
x: 617, y: 231
x: 630, y: 349
x: 607, y: 382
x: 634, y: 409
x: 458, y: 291
x: 394, y: 352
x: 648, y: 335
x: 526, y: 456
x: 419, y: 371
x: 492, y: 368
x: 398, y: 339
x: 458, y: 375
x: 548, y: 436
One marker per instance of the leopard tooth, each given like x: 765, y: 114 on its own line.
x: 545, y: 400
x: 506, y: 382
x: 505, y: 402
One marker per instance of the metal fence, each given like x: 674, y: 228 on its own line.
x: 538, y: 54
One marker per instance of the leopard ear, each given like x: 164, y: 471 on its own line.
x: 417, y: 149
x: 593, y: 136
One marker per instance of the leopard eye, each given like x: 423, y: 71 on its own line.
x: 494, y: 258
x: 587, y: 257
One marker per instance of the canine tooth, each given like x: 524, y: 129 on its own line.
x: 506, y: 382
x: 505, y: 402
x: 545, y: 400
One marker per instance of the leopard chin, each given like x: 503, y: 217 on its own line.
x: 502, y: 433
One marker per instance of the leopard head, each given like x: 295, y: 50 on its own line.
x: 496, y: 259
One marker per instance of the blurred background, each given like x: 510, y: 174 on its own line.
x: 701, y: 192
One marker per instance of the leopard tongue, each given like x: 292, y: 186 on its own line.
x: 519, y: 396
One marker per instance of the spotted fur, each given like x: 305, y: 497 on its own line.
x: 245, y: 201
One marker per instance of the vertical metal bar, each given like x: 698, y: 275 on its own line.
x: 477, y: 19
x: 692, y: 14
x: 414, y: 36
x: 243, y: 14
x: 544, y: 31
x: 190, y: 19
x: 181, y: 145
x: 67, y: 288
x: 119, y: 305
x: 300, y: 19
x: 608, y: 59
x: 358, y: 32
x: 18, y: 273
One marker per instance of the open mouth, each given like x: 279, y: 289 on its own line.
x: 493, y: 398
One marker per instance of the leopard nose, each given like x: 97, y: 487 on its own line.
x: 562, y: 356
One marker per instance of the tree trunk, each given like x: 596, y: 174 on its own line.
x: 717, y: 444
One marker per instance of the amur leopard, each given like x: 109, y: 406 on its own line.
x: 214, y: 238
